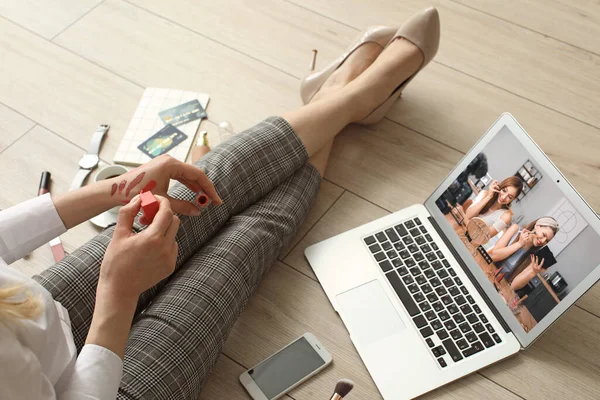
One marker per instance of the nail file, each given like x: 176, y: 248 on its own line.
x: 57, y: 248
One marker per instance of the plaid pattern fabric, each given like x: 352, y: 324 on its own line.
x: 176, y: 340
x: 244, y: 169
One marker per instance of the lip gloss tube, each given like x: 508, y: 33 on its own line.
x: 44, y: 183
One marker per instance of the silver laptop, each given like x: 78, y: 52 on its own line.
x: 439, y: 290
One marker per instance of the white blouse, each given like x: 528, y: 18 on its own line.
x: 38, y: 359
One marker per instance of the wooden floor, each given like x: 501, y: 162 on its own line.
x: 68, y: 65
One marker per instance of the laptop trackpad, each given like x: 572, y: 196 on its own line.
x: 368, y: 313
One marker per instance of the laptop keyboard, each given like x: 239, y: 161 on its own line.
x: 441, y: 307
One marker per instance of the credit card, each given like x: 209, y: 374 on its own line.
x: 162, y: 141
x: 183, y: 113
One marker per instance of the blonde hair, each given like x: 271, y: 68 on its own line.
x: 11, y: 309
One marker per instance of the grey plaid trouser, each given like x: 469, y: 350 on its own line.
x: 182, y: 323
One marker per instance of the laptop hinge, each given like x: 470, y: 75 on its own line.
x: 470, y: 275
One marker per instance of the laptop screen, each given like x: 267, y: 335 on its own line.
x: 524, y: 234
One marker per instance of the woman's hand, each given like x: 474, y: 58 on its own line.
x: 525, y: 238
x: 156, y: 175
x: 493, y: 189
x: 135, y: 262
x: 82, y: 204
x: 536, y: 265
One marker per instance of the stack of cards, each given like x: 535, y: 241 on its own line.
x: 165, y: 121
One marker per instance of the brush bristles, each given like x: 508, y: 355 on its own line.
x: 343, y: 387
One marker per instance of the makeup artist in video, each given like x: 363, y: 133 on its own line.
x: 514, y: 253
x: 493, y: 205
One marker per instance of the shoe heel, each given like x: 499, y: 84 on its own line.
x: 313, y: 61
x: 311, y: 84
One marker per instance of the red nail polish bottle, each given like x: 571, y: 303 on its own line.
x: 202, y: 200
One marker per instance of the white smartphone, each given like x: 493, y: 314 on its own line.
x: 286, y: 369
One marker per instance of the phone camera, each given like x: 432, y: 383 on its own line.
x: 558, y: 181
x: 251, y: 372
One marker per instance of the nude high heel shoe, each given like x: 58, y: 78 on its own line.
x: 423, y: 30
x: 313, y: 82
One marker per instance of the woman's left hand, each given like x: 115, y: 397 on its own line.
x: 156, y: 175
x: 536, y: 265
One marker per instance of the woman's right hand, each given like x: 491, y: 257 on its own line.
x: 493, y: 189
x: 524, y: 238
x: 133, y: 262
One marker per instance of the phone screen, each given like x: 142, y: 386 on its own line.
x: 284, y: 369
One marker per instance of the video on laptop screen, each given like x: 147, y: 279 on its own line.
x: 528, y: 239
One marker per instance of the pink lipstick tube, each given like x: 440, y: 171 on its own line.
x: 202, y: 200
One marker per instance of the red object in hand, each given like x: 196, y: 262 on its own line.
x: 149, y: 205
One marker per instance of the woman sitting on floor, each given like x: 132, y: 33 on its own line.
x: 106, y: 322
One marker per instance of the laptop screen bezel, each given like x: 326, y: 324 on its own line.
x: 551, y: 172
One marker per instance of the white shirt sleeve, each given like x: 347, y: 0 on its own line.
x: 27, y: 226
x: 96, y: 375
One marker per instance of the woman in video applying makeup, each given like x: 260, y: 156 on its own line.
x: 493, y: 205
x: 514, y: 255
x: 143, y: 311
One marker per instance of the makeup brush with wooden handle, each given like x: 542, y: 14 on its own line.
x: 342, y: 388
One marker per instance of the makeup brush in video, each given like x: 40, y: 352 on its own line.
x: 342, y: 388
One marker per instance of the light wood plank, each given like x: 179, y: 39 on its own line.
x: 389, y: 164
x: 563, y: 363
x: 328, y: 195
x: 574, y: 22
x: 591, y: 300
x: 61, y: 91
x: 243, y: 90
x: 523, y: 62
x: 21, y: 165
x: 288, y: 304
x: 262, y: 29
x: 223, y: 382
x: 44, y: 17
x: 12, y: 126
